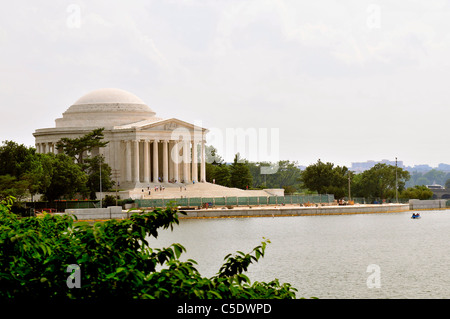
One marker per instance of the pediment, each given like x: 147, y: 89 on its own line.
x: 170, y: 125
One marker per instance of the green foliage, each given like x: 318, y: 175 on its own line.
x: 115, y: 261
x: 379, y: 181
x: 109, y: 200
x: 89, y: 143
x: 283, y: 174
x: 66, y: 178
x: 10, y: 186
x: 13, y: 158
x: 220, y: 174
x: 240, y: 176
x: 431, y: 177
x: 235, y: 175
x: 417, y: 192
x: 77, y: 147
x: 23, y: 172
x: 325, y: 178
x: 92, y: 167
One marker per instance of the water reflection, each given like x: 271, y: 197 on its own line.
x: 328, y: 256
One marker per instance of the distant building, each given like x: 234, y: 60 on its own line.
x: 435, y: 186
x: 359, y: 167
x: 443, y: 167
x: 419, y: 168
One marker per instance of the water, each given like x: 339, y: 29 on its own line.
x: 328, y: 256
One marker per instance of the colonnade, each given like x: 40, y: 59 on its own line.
x: 158, y: 161
x: 151, y: 160
x: 46, y: 147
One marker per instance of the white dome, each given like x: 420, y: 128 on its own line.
x: 105, y: 108
x: 106, y: 96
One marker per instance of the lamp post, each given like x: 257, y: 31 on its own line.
x: 116, y: 174
x: 349, y: 193
x: 396, y: 183
x: 101, y: 204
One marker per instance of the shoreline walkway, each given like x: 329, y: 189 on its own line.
x: 294, y: 210
x: 115, y: 212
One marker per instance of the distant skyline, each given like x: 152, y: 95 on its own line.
x: 341, y: 81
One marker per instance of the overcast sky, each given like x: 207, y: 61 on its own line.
x: 343, y: 81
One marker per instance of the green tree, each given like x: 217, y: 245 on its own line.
x: 282, y: 174
x: 435, y: 177
x: 380, y: 180
x: 11, y: 186
x: 325, y: 178
x: 447, y: 184
x: 21, y: 170
x: 240, y: 176
x: 116, y: 261
x: 12, y: 158
x: 66, y: 178
x: 417, y: 192
x: 78, y: 147
x: 222, y: 175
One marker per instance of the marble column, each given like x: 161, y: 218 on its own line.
x: 170, y: 160
x: 155, y: 161
x: 128, y: 161
x: 136, y: 161
x: 176, y: 162
x: 194, y: 161
x: 165, y: 161
x: 117, y: 160
x: 203, y: 163
x: 146, y: 162
x: 186, y: 161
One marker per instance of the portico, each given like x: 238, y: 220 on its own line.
x: 152, y: 159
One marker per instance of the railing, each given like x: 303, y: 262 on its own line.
x: 236, y: 201
x: 61, y: 205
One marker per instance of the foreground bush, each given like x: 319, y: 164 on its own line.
x: 113, y: 259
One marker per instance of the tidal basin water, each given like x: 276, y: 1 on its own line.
x: 386, y: 255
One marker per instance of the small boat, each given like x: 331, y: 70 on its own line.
x: 415, y: 216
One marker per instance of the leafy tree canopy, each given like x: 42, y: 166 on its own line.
x: 78, y: 147
x: 240, y: 176
x: 380, y: 181
x: 325, y: 178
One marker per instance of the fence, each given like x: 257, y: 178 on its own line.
x: 363, y: 200
x: 236, y: 201
x: 62, y: 205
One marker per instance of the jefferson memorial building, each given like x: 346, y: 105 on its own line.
x: 142, y: 148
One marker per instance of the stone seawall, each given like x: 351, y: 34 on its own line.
x: 417, y: 204
x: 294, y: 211
x: 110, y: 212
x: 261, y: 211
